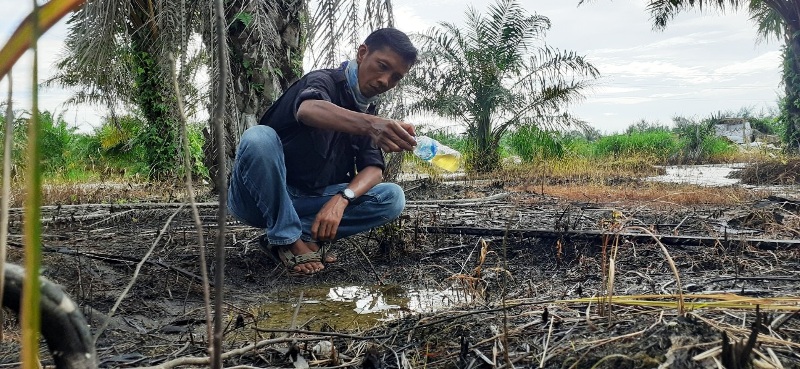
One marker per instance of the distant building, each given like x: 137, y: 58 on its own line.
x: 737, y: 130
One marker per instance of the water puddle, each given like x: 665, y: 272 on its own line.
x: 716, y: 175
x: 355, y: 307
x: 703, y: 175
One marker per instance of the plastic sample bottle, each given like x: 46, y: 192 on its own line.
x: 437, y: 154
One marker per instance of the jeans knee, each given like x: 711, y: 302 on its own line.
x: 258, y: 140
x: 395, y: 200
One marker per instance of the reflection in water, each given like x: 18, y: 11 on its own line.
x: 352, y: 307
x: 716, y: 175
x: 366, y: 300
x: 426, y: 300
x: 393, y: 302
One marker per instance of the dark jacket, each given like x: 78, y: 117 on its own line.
x: 316, y: 157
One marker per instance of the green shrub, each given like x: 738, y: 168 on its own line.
x: 577, y: 147
x: 531, y: 143
x: 121, y: 151
x: 717, y: 149
x: 55, y: 138
x: 17, y: 143
x: 699, y: 142
x: 196, y: 140
x: 55, y: 142
x: 656, y: 144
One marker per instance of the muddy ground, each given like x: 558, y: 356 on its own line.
x: 522, y: 299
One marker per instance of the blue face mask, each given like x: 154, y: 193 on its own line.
x: 351, y: 71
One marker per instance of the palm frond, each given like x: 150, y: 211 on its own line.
x: 767, y: 19
x: 379, y: 13
x: 336, y: 20
x: 662, y: 11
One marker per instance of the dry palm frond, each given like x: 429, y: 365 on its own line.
x: 702, y: 301
x: 338, y: 27
x: 474, y: 285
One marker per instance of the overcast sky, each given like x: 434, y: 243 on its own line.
x: 702, y: 64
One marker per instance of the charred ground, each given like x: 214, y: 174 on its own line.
x: 524, y: 293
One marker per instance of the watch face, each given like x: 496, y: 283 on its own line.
x: 349, y: 193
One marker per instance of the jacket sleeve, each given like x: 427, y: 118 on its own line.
x: 366, y: 153
x: 319, y: 86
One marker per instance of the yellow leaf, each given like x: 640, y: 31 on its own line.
x: 22, y: 38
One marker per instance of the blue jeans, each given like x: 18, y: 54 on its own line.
x: 259, y: 196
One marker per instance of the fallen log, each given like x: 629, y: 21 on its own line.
x: 598, y: 236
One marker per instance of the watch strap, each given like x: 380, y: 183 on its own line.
x: 346, y: 197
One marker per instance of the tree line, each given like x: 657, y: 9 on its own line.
x: 494, y: 73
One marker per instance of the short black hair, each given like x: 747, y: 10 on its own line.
x: 394, y: 39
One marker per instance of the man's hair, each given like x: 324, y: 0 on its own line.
x: 394, y: 39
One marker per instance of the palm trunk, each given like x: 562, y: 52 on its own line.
x: 154, y: 96
x: 486, y: 154
x: 262, y: 67
x: 791, y: 79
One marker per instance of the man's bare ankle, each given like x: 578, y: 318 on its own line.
x: 300, y: 246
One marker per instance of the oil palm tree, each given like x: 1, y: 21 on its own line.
x: 774, y: 18
x: 117, y: 52
x: 495, y: 74
x: 266, y: 42
x: 129, y: 43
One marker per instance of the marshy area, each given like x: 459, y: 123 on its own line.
x: 508, y: 271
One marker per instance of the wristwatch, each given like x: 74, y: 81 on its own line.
x: 348, y: 195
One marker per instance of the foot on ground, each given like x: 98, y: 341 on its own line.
x: 325, y: 252
x: 298, y: 258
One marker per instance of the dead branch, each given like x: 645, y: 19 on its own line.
x: 597, y: 236
x: 116, y: 259
x: 136, y: 273
x: 461, y: 201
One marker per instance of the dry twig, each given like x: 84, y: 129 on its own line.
x: 135, y: 275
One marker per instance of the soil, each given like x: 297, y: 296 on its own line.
x: 527, y: 301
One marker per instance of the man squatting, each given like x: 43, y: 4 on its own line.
x: 311, y: 171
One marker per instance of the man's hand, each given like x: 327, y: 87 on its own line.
x: 392, y: 135
x: 327, y: 221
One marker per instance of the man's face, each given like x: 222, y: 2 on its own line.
x: 379, y: 70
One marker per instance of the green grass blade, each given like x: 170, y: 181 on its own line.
x: 31, y: 291
x: 6, y: 193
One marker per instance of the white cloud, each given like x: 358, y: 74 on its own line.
x: 605, y: 89
x: 692, y: 39
x: 670, y: 95
x: 658, y: 70
x: 407, y: 20
x: 769, y: 61
x: 627, y: 100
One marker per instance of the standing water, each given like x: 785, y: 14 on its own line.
x: 352, y: 307
x: 703, y: 175
x: 717, y: 175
